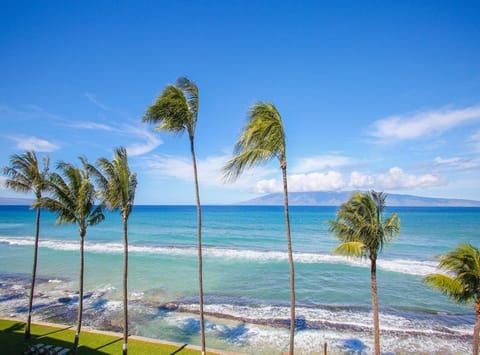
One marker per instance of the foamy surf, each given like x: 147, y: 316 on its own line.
x: 405, y: 266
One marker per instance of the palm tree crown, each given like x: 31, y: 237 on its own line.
x: 176, y: 109
x: 262, y: 138
x: 462, y: 281
x: 73, y: 198
x: 360, y: 227
x: 117, y: 184
x: 25, y: 175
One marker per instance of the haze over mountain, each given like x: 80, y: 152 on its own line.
x: 334, y: 198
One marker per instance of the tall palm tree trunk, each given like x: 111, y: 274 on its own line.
x: 290, y: 260
x: 376, y: 325
x: 199, y: 247
x: 476, y: 328
x: 34, y: 275
x: 125, y: 285
x: 80, y: 295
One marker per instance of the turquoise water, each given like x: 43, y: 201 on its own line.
x: 246, y: 277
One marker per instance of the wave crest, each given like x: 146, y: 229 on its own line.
x: 405, y: 266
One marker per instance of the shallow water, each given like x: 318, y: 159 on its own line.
x: 246, y: 278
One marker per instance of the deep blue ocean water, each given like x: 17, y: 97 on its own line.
x: 246, y: 278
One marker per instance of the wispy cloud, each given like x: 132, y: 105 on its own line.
x: 209, y: 170
x: 394, y: 179
x: 418, y: 125
x: 320, y: 162
x: 92, y: 125
x: 151, y: 141
x: 93, y: 99
x: 474, y: 140
x: 34, y: 143
x: 3, y: 179
x: 456, y: 163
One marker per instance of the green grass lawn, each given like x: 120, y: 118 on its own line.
x: 12, y: 333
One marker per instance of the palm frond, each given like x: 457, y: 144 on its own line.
x: 360, y: 220
x: 190, y: 90
x: 449, y: 286
x: 73, y: 195
x: 170, y: 111
x: 352, y: 249
x: 118, y: 184
x: 463, y: 267
x: 24, y: 173
x: 262, y: 138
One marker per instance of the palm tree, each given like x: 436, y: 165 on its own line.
x: 72, y: 199
x: 262, y: 139
x: 25, y: 175
x: 363, y: 232
x: 462, y: 281
x: 117, y: 190
x: 176, y: 110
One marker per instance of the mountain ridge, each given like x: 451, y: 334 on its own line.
x: 335, y: 198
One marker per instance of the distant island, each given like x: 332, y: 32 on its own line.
x: 329, y: 198
x: 318, y: 198
x: 15, y: 201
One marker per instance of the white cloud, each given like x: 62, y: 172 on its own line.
x: 331, y: 180
x: 320, y: 162
x: 394, y: 179
x: 268, y: 186
x: 406, y: 127
x: 359, y: 180
x: 34, y: 143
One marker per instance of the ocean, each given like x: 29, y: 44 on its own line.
x: 246, y: 278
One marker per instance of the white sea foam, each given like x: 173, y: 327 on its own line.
x: 406, y: 266
x: 55, y: 281
x: 344, y: 330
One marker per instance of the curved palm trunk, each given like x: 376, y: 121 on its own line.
x: 80, y: 295
x: 376, y: 325
x: 199, y: 247
x: 476, y: 328
x: 34, y: 275
x: 290, y: 260
x: 125, y: 285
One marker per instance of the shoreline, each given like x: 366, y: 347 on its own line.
x: 89, y: 329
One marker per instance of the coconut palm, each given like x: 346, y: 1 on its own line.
x: 176, y: 111
x: 363, y: 232
x: 462, y: 281
x: 24, y: 175
x: 73, y: 200
x: 117, y: 190
x: 262, y: 139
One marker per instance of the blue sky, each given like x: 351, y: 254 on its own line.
x: 373, y: 94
